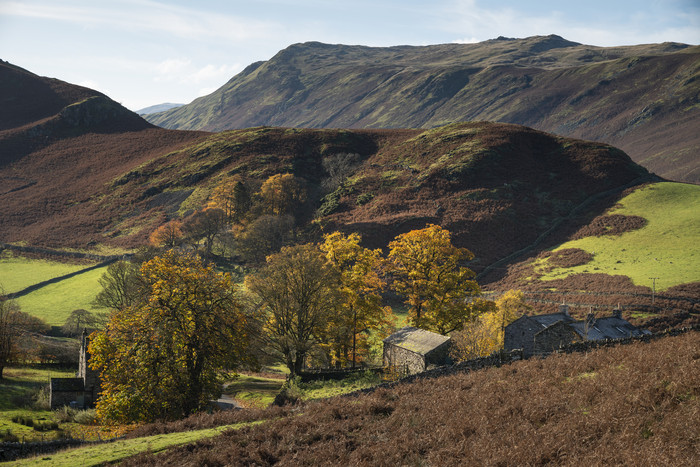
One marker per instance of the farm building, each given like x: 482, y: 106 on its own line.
x: 411, y: 350
x: 79, y: 392
x: 542, y: 334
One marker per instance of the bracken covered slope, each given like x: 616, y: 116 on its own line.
x: 637, y: 404
x: 643, y: 99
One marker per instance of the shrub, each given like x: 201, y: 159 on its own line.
x: 364, y: 198
x: 85, y: 417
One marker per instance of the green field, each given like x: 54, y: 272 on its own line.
x: 668, y: 247
x: 54, y: 302
x: 119, y: 450
x: 18, y: 272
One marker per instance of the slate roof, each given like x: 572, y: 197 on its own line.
x: 416, y: 340
x: 552, y: 318
x: 608, y: 328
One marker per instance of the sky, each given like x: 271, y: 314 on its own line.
x: 147, y: 52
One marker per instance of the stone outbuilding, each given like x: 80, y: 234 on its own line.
x: 80, y: 392
x: 411, y: 350
x: 542, y: 334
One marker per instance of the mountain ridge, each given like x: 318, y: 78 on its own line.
x: 643, y: 98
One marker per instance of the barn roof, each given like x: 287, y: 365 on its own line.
x: 416, y: 340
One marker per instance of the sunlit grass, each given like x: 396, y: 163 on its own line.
x: 666, y: 248
x: 54, y: 302
x: 18, y: 272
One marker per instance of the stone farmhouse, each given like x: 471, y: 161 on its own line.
x: 543, y: 334
x: 80, y: 392
x: 411, y: 350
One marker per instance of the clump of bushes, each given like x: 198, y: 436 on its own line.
x: 7, y: 436
x: 82, y: 417
x: 364, y: 198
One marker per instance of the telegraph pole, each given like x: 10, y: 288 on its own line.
x: 653, y: 291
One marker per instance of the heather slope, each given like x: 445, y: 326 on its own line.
x: 636, y: 404
x: 643, y: 99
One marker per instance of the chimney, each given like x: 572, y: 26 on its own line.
x: 564, y: 308
x: 617, y: 313
x: 590, y: 320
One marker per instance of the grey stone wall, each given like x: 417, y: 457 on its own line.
x: 404, y: 361
x: 553, y: 338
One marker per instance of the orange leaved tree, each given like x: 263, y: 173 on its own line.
x: 426, y: 269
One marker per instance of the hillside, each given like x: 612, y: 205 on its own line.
x: 643, y: 99
x: 633, y: 405
x: 495, y: 186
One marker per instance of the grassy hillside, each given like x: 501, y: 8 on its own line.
x: 665, y: 247
x: 18, y: 272
x: 643, y: 99
x: 636, y: 404
x: 55, y: 302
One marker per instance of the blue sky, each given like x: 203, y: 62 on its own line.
x: 145, y: 52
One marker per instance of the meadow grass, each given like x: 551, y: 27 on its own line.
x: 254, y: 391
x: 18, y: 389
x: 118, y: 450
x: 18, y: 272
x: 55, y: 302
x: 666, y: 248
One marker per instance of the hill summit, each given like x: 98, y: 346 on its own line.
x: 643, y: 99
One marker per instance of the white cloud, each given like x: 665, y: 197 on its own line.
x: 145, y: 16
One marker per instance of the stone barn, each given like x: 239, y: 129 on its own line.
x: 542, y: 334
x: 80, y: 392
x: 411, y: 350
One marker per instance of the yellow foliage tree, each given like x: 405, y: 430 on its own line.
x: 484, y: 335
x: 282, y: 194
x: 164, y: 356
x: 425, y: 266
x: 360, y: 306
x: 233, y: 198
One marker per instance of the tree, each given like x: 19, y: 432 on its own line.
x: 484, y: 335
x: 265, y: 235
x: 82, y: 319
x: 14, y: 327
x: 164, y: 356
x: 425, y: 267
x: 168, y: 235
x: 282, y: 194
x: 360, y: 306
x: 122, y: 286
x: 233, y: 198
x: 297, y: 292
x: 205, y: 225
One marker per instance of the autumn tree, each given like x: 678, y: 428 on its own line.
x: 233, y: 198
x: 426, y: 269
x: 484, y: 335
x: 265, y: 235
x: 282, y: 194
x: 168, y: 235
x: 206, y: 225
x: 359, y: 308
x: 297, y: 293
x: 164, y: 356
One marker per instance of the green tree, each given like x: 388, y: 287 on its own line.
x: 15, y: 327
x: 425, y: 268
x: 360, y: 307
x: 164, y: 356
x: 297, y: 293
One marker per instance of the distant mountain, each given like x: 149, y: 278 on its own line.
x: 643, y: 99
x: 158, y: 108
